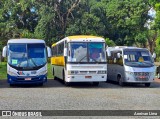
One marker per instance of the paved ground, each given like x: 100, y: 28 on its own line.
x: 80, y: 96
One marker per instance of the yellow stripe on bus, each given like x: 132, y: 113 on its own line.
x: 82, y: 36
x: 58, y: 60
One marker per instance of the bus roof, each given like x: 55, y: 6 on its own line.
x: 82, y: 36
x: 79, y: 38
x: 26, y: 40
x: 124, y: 48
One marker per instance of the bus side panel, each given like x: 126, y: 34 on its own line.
x: 58, y: 63
x: 114, y: 70
x: 58, y: 71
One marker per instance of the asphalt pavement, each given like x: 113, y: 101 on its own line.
x: 54, y: 95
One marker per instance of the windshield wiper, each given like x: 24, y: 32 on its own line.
x: 22, y: 60
x: 33, y: 62
x: 82, y: 58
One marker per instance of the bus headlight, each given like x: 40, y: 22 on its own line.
x: 71, y: 72
x: 12, y: 73
x: 130, y: 73
x: 43, y: 72
x: 102, y: 72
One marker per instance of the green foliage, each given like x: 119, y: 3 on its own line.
x: 122, y: 21
x: 126, y: 19
x: 157, y: 27
x: 3, y: 70
x: 157, y: 49
x: 109, y: 42
x: 87, y: 25
x: 141, y: 39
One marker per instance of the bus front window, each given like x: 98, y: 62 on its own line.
x: 138, y: 58
x: 87, y: 52
x: 36, y: 55
x: 78, y: 52
x: 96, y: 52
x: 17, y: 54
x: 26, y: 55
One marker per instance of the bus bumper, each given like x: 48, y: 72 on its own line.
x: 138, y: 80
x: 26, y: 80
x: 86, y: 78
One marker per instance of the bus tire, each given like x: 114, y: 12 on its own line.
x: 53, y: 72
x: 147, y: 84
x: 120, y: 81
x: 158, y: 75
x: 11, y: 85
x: 40, y: 84
x: 64, y: 79
x: 95, y: 83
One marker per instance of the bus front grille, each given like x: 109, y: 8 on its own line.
x: 87, y: 72
x: 141, y: 73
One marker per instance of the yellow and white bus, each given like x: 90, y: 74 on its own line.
x: 80, y: 58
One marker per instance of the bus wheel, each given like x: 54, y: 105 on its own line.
x: 64, y: 79
x: 95, y: 83
x: 53, y: 72
x: 158, y: 75
x: 40, y: 84
x: 119, y: 78
x: 147, y: 84
x: 11, y: 85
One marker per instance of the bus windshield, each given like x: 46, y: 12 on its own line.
x: 27, y: 55
x: 87, y: 52
x: 138, y: 58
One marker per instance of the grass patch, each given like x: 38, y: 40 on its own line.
x: 3, y: 71
x: 50, y: 76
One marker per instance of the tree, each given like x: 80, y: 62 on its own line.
x: 126, y: 19
x: 156, y: 27
x: 54, y: 18
x: 109, y: 42
x: 16, y: 16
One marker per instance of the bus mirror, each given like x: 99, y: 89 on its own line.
x: 65, y: 52
x: 108, y: 52
x: 49, y: 51
x: 115, y: 60
x: 4, y: 54
x: 118, y: 55
x: 154, y: 55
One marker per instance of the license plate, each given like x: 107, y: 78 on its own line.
x: 142, y: 77
x: 88, y: 77
x: 27, y: 79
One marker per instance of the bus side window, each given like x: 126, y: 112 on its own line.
x: 60, y: 49
x: 120, y: 61
x: 54, y: 51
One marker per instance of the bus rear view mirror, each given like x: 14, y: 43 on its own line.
x: 65, y: 52
x: 154, y: 55
x: 118, y: 55
x: 49, y: 51
x: 108, y: 52
x: 4, y: 54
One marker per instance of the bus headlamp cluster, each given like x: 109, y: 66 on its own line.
x: 12, y: 73
x: 102, y: 72
x: 43, y: 72
x: 130, y: 73
x: 72, y: 72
